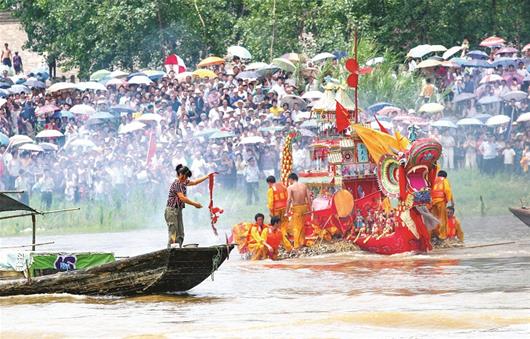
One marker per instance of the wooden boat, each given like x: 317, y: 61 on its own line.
x: 163, y: 271
x: 522, y: 213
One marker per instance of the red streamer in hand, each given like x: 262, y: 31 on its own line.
x: 215, y: 212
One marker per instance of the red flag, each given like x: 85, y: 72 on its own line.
x: 343, y: 117
x: 151, y: 150
x: 381, y: 127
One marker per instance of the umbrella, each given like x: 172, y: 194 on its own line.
x: 490, y: 78
x: 469, y: 122
x: 49, y: 133
x: 451, y: 51
x: 82, y: 109
x: 209, y: 61
x: 61, y: 86
x: 293, y: 57
x: 205, y: 73
x: 102, y: 116
x: 115, y: 82
x: 505, y: 62
x: 118, y: 74
x: 432, y: 107
x: 175, y: 63
x: 205, y: 132
x: 4, y: 85
x: 66, y: 114
x: 312, y: 123
x: 239, y: 51
x: 150, y: 117
x: 91, y: 85
x: 444, y: 124
x: 387, y: 110
x: 34, y: 83
x: 489, y: 99
x: 375, y: 61
x: 98, y: 75
x: 293, y: 99
x: 312, y: 95
x: 31, y: 148
x: 284, y: 64
x: 134, y: 74
x: 46, y: 109
x: 482, y: 117
x: 271, y: 129
x: 477, y: 55
x: 507, y: 50
x: 524, y: 117
x: 438, y: 48
x: 248, y: 75
x: 322, y: 56
x: 515, y: 95
x: 4, y: 93
x: 19, y: 139
x: 2, y: 102
x: 463, y: 97
x: 419, y: 51
x: 140, y: 80
x: 513, y: 76
x: 386, y: 124
x: 492, y: 41
x: 17, y: 89
x: 154, y: 74
x: 222, y: 135
x: 429, y: 63
x: 131, y: 127
x: 4, y: 139
x: 183, y: 75
x: 498, y: 120
x: 122, y: 108
x: 252, y: 140
x: 255, y: 65
x: 85, y: 143
x: 378, y: 106
x: 477, y: 63
x: 525, y: 48
x: 307, y: 133
x: 269, y: 69
x: 47, y: 146
x: 450, y: 64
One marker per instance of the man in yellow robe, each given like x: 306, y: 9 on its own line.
x: 454, y: 228
x: 266, y: 244
x: 441, y: 194
x: 298, y: 204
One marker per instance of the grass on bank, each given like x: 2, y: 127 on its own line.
x: 145, y: 208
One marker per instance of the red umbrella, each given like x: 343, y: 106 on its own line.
x: 175, y: 63
x: 492, y: 41
x: 46, y: 109
x: 507, y: 50
x: 526, y: 48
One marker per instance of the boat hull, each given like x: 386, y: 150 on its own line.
x: 163, y: 271
x: 401, y: 241
x: 522, y: 214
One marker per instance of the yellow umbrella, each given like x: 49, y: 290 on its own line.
x: 429, y: 63
x: 209, y: 61
x: 205, y: 73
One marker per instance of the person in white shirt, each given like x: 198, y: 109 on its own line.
x: 509, y: 156
x: 252, y: 174
x: 448, y: 145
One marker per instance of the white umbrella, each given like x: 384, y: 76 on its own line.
x: 386, y: 124
x: 419, y: 51
x: 375, y: 61
x: 61, y: 86
x: 451, y: 51
x: 432, y: 107
x: 255, y: 65
x: 239, y: 51
x: 252, y: 140
x: 322, y: 56
x: 463, y: 97
x: 183, y: 75
x: 19, y: 140
x: 489, y: 99
x: 515, y: 95
x: 498, y: 120
x: 490, y: 78
x: 293, y: 99
x: 82, y: 109
x: 429, y: 63
x: 444, y: 123
x: 469, y: 122
x: 82, y: 143
x: 115, y: 82
x: 95, y: 86
x: 524, y: 117
x: 284, y: 64
x: 47, y: 146
x: 438, y: 48
x: 150, y: 117
x: 118, y: 74
x: 312, y: 95
x: 140, y: 80
x: 31, y: 148
x: 131, y: 127
x: 17, y: 89
x: 49, y: 133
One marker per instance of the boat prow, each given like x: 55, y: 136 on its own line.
x: 522, y: 213
x: 163, y: 271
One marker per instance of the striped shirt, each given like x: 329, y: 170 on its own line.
x: 173, y: 199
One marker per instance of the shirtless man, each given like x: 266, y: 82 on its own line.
x: 298, y: 204
x: 6, y: 55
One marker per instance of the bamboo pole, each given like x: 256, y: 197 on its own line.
x: 33, y: 231
x: 30, y: 245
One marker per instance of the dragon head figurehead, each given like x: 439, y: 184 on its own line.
x: 410, y: 175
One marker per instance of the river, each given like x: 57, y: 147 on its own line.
x: 481, y: 292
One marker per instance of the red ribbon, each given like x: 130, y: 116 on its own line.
x: 214, y: 211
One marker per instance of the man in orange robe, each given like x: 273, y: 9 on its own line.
x: 277, y: 202
x: 441, y: 194
x: 454, y: 229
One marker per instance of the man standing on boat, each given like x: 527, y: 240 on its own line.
x: 176, y: 201
x: 441, y: 194
x: 277, y: 201
x: 298, y: 204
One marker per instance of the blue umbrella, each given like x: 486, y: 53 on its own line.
x: 4, y: 93
x: 67, y: 114
x: 505, y: 62
x: 340, y: 54
x: 122, y: 108
x: 377, y: 106
x: 102, y: 115
x: 477, y: 63
x: 40, y: 74
x: 34, y: 83
x: 19, y: 89
x: 135, y: 74
x: 20, y: 81
x: 4, y: 139
x: 222, y: 134
x: 4, y: 85
x: 482, y: 117
x: 458, y: 61
x: 477, y: 55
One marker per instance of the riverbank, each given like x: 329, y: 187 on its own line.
x: 143, y: 209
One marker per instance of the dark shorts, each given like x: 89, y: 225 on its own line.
x: 7, y: 62
x: 175, y: 226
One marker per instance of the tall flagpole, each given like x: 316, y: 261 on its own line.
x: 356, y: 88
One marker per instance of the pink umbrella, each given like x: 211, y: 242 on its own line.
x: 490, y: 78
x: 492, y: 41
x: 507, y: 50
x: 46, y: 109
x: 387, y: 110
x: 175, y: 63
x: 511, y: 76
x: 526, y: 48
